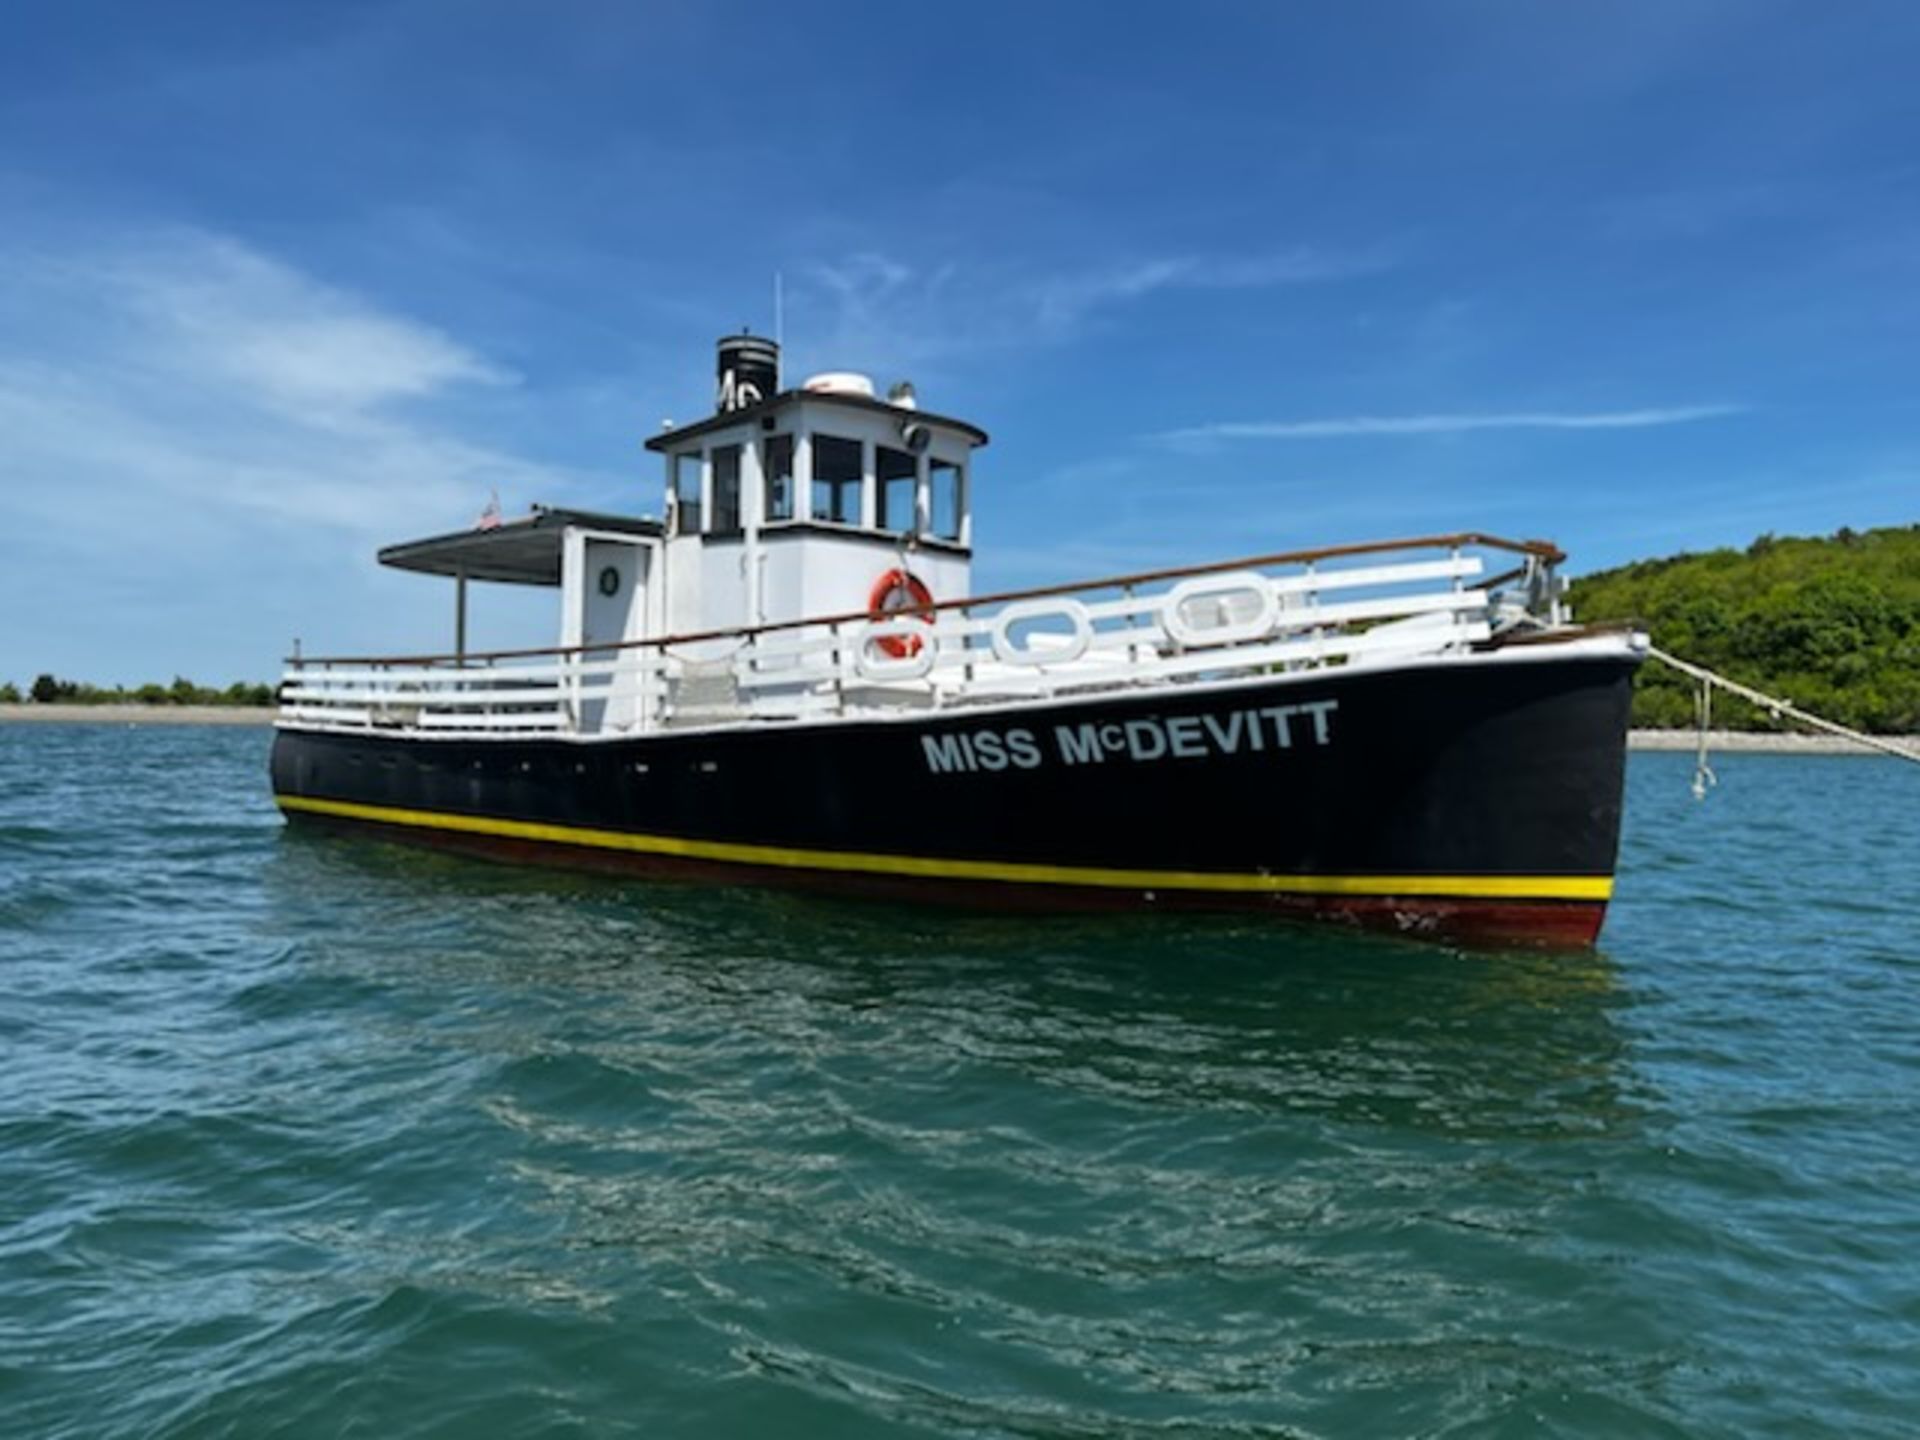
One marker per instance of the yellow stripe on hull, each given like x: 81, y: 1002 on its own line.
x: 1462, y: 887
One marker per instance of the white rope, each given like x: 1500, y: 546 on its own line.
x: 1774, y: 706
x: 1703, y: 777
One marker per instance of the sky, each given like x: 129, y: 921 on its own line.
x: 282, y: 284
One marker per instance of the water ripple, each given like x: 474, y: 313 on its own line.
x: 317, y: 1136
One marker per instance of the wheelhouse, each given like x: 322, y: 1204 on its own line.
x: 815, y: 500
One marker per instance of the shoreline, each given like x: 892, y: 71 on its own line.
x: 57, y: 714
x: 1727, y: 742
x: 1762, y: 742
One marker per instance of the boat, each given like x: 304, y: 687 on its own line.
x: 786, y: 679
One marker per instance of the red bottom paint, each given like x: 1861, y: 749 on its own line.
x: 1545, y: 924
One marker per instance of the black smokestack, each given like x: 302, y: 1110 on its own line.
x: 748, y: 372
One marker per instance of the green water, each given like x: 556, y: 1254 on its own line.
x: 315, y: 1136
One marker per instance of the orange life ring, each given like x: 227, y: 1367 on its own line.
x: 894, y: 591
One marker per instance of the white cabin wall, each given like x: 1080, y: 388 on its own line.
x: 801, y: 574
x: 753, y: 506
x: 683, y: 588
x: 836, y: 574
x: 949, y: 576
x: 724, y: 582
x: 782, y: 578
x: 573, y: 547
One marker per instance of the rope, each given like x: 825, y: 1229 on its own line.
x: 1773, y: 705
x: 1703, y: 777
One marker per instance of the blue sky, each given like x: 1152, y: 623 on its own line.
x: 279, y: 284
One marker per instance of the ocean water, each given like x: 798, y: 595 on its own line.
x: 312, y: 1136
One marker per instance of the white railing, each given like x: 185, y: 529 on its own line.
x: 1355, y: 605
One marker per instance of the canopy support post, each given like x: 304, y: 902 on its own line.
x: 460, y: 616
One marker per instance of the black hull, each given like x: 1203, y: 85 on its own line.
x: 1478, y: 801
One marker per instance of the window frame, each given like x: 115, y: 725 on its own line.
x: 884, y: 485
x: 839, y: 487
x: 716, y: 512
x: 770, y: 476
x: 958, y: 470
x: 687, y: 506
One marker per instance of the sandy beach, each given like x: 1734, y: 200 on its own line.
x: 137, y: 714
x: 1761, y: 742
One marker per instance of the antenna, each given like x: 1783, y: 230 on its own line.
x: 779, y: 310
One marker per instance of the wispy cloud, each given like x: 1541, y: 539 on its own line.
x: 180, y: 410
x: 874, y: 304
x: 191, y: 366
x: 1063, y: 300
x: 1444, y: 424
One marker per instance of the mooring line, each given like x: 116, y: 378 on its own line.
x: 1775, y: 706
x: 1703, y: 777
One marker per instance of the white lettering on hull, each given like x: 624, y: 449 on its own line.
x: 981, y: 750
x: 1147, y: 740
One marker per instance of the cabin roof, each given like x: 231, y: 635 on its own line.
x: 525, y: 551
x: 727, y: 419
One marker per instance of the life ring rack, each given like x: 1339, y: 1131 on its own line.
x: 896, y: 590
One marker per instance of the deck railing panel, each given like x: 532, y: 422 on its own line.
x: 1268, y: 614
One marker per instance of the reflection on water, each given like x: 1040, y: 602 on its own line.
x: 880, y: 1156
x: 1220, y: 1013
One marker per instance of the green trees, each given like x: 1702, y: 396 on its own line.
x: 50, y: 689
x: 1832, y: 624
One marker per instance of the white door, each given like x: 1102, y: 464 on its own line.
x: 613, y: 609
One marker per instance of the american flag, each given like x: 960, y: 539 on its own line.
x: 489, y: 517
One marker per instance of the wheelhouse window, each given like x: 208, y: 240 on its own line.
x: 948, y: 499
x: 836, y: 479
x: 726, y: 489
x: 776, y: 463
x: 686, y: 493
x: 898, y: 474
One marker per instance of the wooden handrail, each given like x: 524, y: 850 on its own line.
x: 1540, y: 549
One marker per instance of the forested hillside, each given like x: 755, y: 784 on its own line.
x: 1832, y: 624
